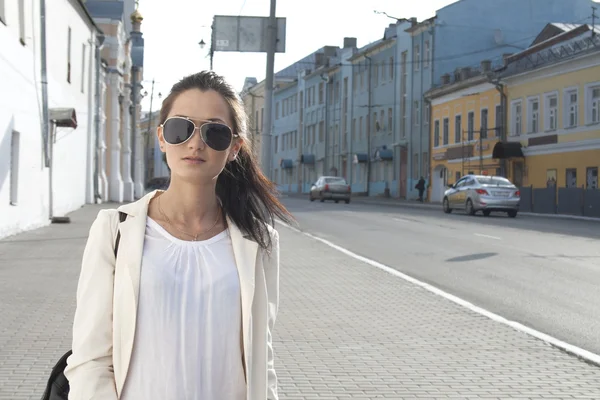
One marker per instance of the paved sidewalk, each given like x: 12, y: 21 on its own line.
x: 345, y: 330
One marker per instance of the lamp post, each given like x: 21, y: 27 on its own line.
x: 148, y: 130
x: 211, y: 51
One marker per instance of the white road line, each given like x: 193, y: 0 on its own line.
x: 569, y: 348
x: 487, y: 236
x: 402, y: 220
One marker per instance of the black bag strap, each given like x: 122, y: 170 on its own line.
x: 122, y: 217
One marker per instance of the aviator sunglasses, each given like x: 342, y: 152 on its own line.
x: 178, y: 130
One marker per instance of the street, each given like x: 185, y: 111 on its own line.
x: 348, y: 330
x: 541, y: 272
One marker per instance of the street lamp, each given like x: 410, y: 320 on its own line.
x: 202, y: 44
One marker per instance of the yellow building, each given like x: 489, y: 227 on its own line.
x: 466, y: 115
x: 253, y: 96
x: 554, y: 109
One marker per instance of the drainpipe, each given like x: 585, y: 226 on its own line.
x: 410, y: 151
x: 369, y: 127
x: 44, y: 78
x: 503, y: 105
x: 352, y: 124
x: 97, y: 115
x: 326, y: 153
x: 421, y: 100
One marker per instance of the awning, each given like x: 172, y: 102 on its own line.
x: 360, y: 158
x: 286, y: 163
x: 503, y: 150
x: 63, y: 117
x: 307, y: 159
x: 384, y: 154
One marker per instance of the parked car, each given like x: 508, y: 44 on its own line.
x: 330, y: 188
x: 474, y: 193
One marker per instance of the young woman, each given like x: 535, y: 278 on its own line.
x: 185, y: 309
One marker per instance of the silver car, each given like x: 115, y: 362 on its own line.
x: 474, y: 193
x: 330, y: 188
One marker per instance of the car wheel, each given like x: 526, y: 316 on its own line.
x: 512, y: 213
x: 347, y: 201
x: 446, y: 205
x: 470, y: 209
x: 322, y: 199
x: 487, y: 213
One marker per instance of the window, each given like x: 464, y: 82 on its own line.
x: 551, y: 108
x: 427, y: 113
x: 417, y: 57
x: 446, y: 133
x: 533, y: 109
x: 14, y: 167
x: 516, y: 118
x: 321, y: 92
x: 484, y: 123
x: 436, y: 133
x: 426, y: 53
x: 458, y: 129
x: 591, y: 175
x: 470, y: 126
x: 593, y: 107
x: 83, y: 49
x: 390, y: 122
x: 417, y: 113
x: 391, y: 68
x: 571, y: 177
x: 571, y: 110
x: 360, y: 128
x: 353, y: 129
x: 69, y: 56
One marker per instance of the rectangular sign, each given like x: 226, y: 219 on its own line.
x: 245, y: 34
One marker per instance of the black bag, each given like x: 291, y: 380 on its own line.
x: 57, y: 387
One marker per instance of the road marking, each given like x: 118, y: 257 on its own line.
x: 569, y: 348
x: 488, y: 236
x: 402, y: 220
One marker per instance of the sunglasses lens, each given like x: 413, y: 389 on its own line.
x: 216, y: 136
x: 177, y: 130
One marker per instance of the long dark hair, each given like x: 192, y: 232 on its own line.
x: 247, y: 196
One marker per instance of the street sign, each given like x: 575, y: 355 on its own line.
x: 245, y: 34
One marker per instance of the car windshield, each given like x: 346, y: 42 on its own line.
x: 335, y: 181
x: 493, y: 181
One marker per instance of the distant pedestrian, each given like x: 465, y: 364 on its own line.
x: 420, y: 186
x: 186, y: 308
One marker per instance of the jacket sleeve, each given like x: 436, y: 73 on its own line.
x: 272, y: 282
x: 90, y: 367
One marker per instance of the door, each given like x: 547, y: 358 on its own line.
x: 403, y: 168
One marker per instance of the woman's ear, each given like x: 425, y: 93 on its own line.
x: 161, y: 139
x: 235, y: 149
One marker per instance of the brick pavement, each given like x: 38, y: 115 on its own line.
x: 346, y: 330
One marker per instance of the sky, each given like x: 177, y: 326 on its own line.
x: 173, y: 28
x: 172, y: 34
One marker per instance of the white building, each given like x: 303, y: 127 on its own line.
x: 72, y: 37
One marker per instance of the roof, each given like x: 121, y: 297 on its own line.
x: 564, y: 46
x: 89, y: 17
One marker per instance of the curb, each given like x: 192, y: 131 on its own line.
x: 434, y: 207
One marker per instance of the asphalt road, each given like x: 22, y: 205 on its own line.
x: 541, y: 272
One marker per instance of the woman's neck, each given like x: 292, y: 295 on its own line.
x: 187, y: 203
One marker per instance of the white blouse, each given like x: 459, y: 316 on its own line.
x: 188, y: 336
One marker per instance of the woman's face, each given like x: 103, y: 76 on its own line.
x: 194, y: 160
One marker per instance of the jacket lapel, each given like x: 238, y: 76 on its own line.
x: 131, y: 247
x: 245, y: 251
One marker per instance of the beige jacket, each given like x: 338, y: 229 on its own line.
x: 107, y: 298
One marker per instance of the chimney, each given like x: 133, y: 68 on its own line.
x: 413, y: 21
x: 486, y: 65
x: 445, y: 79
x: 349, y: 42
x: 319, y: 59
x: 465, y: 73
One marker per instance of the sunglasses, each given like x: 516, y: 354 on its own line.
x: 178, y: 130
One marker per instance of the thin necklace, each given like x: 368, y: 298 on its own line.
x: 195, y: 237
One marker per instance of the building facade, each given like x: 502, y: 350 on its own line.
x: 253, y: 96
x: 554, y: 109
x: 47, y: 170
x: 466, y: 123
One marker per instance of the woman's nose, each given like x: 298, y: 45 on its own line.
x: 196, y: 141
